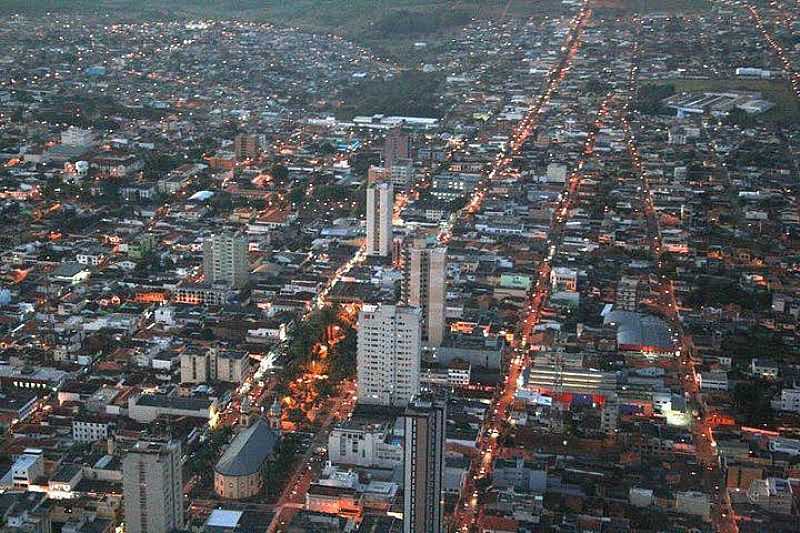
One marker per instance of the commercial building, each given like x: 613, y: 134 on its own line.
x: 153, y: 487
x: 225, y: 260
x: 693, y: 503
x: 772, y: 494
x: 145, y: 408
x: 364, y: 444
x: 574, y: 381
x: 424, y: 286
x: 380, y: 205
x: 238, y: 473
x: 564, y: 279
x: 425, y: 423
x: 638, y: 332
x: 388, y: 356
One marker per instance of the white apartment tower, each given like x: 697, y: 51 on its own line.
x: 152, y: 487
x: 225, y: 259
x: 388, y: 356
x: 425, y: 286
x: 380, y: 208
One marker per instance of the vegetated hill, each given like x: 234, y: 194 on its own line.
x: 348, y: 17
x: 389, y: 27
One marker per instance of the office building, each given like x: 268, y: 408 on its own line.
x: 225, y: 260
x: 245, y: 146
x: 397, y: 146
x: 380, y: 207
x: 388, y: 356
x: 423, y: 464
x: 153, y: 487
x: 424, y: 286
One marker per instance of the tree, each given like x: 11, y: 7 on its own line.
x: 279, y: 172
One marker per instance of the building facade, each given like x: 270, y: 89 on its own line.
x: 153, y: 487
x: 397, y: 146
x: 388, y: 356
x: 423, y: 465
x: 380, y: 208
x: 424, y: 286
x: 225, y: 260
x: 245, y: 146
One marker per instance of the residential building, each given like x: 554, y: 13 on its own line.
x: 396, y: 146
x: 388, y: 356
x: 425, y: 423
x: 153, y: 487
x: 74, y: 136
x: 225, y: 260
x: 628, y: 293
x: 424, y: 286
x: 380, y: 206
x: 245, y: 146
x: 789, y: 399
x: 90, y: 428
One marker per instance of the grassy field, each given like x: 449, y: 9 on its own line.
x: 787, y: 106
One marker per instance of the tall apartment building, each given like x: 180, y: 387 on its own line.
x: 396, y: 146
x: 225, y: 260
x: 425, y: 424
x: 245, y: 146
x: 425, y: 286
x: 380, y: 208
x: 74, y: 136
x: 153, y: 487
x: 203, y: 366
x: 388, y: 355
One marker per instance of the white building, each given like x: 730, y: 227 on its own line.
x: 380, y: 209
x: 693, y: 503
x: 772, y: 494
x: 764, y: 368
x: 225, y: 260
x: 90, y: 429
x: 388, y: 357
x: 715, y: 380
x: 73, y: 136
x: 366, y: 445
x: 789, y: 400
x: 564, y: 279
x: 556, y: 173
x: 26, y: 469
